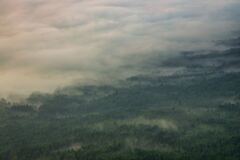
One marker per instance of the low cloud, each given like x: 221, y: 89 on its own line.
x: 47, y: 44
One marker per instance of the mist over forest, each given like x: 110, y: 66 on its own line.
x: 193, y: 113
x: 119, y: 80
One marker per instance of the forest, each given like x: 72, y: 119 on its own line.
x: 145, y: 117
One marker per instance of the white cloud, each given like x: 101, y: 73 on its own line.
x: 96, y: 39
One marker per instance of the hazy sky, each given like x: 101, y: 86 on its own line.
x: 45, y: 44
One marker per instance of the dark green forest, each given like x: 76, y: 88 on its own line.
x: 187, y: 116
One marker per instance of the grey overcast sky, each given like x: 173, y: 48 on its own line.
x: 45, y: 44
